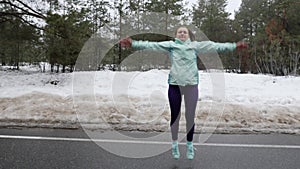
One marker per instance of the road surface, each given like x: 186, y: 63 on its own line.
x: 67, y: 149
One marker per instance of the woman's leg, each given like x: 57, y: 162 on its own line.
x: 190, y: 100
x: 174, y: 95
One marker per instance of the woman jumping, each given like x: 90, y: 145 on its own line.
x: 183, y: 77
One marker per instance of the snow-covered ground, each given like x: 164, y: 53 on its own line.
x: 233, y: 103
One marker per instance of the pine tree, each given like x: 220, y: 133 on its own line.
x: 65, y: 36
x: 169, y: 9
x: 271, y: 26
x: 210, y: 16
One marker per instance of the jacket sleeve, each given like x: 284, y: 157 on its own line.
x: 210, y: 46
x: 157, y: 46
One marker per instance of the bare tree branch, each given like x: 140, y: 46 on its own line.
x: 19, y: 10
x: 32, y: 13
x: 17, y: 15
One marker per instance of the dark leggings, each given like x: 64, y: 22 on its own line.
x: 190, y: 94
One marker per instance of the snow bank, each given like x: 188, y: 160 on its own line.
x: 138, y: 101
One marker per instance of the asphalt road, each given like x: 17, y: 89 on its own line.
x: 64, y: 149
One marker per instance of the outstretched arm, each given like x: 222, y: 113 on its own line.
x: 209, y: 46
x: 159, y: 46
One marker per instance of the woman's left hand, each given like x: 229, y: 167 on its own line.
x: 241, y: 45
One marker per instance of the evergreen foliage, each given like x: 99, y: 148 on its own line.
x: 55, y: 31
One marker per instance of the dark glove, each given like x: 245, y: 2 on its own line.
x: 241, y: 45
x: 126, y: 42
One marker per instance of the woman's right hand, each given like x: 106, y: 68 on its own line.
x: 126, y: 42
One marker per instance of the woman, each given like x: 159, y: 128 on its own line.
x: 183, y: 77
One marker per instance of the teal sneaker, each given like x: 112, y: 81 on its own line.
x: 175, y: 150
x: 190, y: 150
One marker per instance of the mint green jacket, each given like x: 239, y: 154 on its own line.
x: 183, y: 56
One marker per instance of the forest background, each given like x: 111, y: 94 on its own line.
x: 54, y: 32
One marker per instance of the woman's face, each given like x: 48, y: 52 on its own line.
x: 182, y: 34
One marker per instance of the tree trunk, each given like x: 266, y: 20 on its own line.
x: 63, y: 69
x: 57, y: 68
x: 52, y: 68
